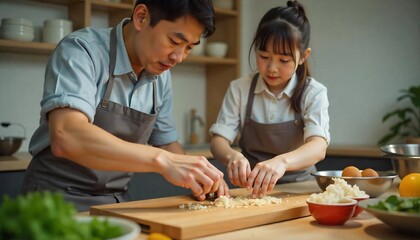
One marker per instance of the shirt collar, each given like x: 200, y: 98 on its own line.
x: 262, y: 86
x: 291, y: 86
x: 123, y: 64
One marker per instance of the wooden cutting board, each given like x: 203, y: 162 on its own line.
x: 163, y: 215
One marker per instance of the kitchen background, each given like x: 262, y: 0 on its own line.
x: 364, y: 51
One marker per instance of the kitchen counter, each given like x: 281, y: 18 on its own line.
x: 20, y: 160
x: 364, y: 226
x: 16, y: 162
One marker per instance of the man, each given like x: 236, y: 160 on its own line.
x: 107, y: 107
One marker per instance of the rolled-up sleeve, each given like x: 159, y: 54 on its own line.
x: 315, y: 108
x: 228, y: 120
x: 69, y: 80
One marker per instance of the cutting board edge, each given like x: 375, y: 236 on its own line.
x: 191, y: 232
x: 196, y: 231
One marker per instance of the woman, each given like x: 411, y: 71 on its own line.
x: 280, y: 112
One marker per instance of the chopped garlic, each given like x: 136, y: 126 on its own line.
x: 194, y: 206
x: 233, y: 202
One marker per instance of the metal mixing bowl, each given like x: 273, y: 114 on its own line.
x: 373, y: 186
x: 405, y: 158
x: 9, y: 145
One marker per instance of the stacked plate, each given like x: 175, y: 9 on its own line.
x: 17, y: 29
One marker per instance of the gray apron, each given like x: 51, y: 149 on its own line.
x: 87, y: 187
x: 260, y: 142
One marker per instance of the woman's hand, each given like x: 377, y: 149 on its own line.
x: 264, y: 176
x: 238, y: 170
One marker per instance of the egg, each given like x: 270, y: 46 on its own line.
x: 351, y: 171
x: 369, y: 172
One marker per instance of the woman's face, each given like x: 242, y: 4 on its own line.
x: 276, y: 69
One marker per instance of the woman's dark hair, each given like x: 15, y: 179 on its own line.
x: 288, y: 28
x: 171, y: 10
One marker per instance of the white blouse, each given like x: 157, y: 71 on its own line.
x: 268, y: 108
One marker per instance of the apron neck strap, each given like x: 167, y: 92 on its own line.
x: 112, y: 60
x: 251, y: 96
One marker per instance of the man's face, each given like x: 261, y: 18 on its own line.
x: 166, y: 44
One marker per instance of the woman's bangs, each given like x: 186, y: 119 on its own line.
x: 280, y: 35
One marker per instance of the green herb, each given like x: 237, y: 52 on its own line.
x: 45, y: 215
x: 394, y: 203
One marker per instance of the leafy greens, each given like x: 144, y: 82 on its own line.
x: 45, y: 215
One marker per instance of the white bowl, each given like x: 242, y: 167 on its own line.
x: 227, y: 4
x: 60, y: 23
x: 402, y: 221
x: 17, y: 28
x: 17, y: 21
x: 216, y: 49
x: 131, y: 230
x: 53, y: 34
x: 17, y: 35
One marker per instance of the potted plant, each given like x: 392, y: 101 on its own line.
x: 407, y: 126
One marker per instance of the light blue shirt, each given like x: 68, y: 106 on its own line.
x: 268, y: 108
x: 77, y: 75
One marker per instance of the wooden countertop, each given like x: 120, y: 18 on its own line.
x: 16, y: 162
x: 364, y: 226
x: 20, y: 160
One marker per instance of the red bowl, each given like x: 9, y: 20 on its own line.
x: 358, y: 209
x: 332, y: 214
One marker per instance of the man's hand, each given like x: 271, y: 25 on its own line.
x: 193, y: 172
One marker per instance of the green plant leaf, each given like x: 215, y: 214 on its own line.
x: 388, y: 115
x: 407, y: 118
x: 387, y: 138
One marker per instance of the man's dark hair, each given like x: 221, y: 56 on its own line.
x: 171, y: 10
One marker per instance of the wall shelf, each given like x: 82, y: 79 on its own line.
x: 12, y: 46
x: 100, y: 5
x: 219, y: 71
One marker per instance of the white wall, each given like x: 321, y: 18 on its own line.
x: 363, y: 51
